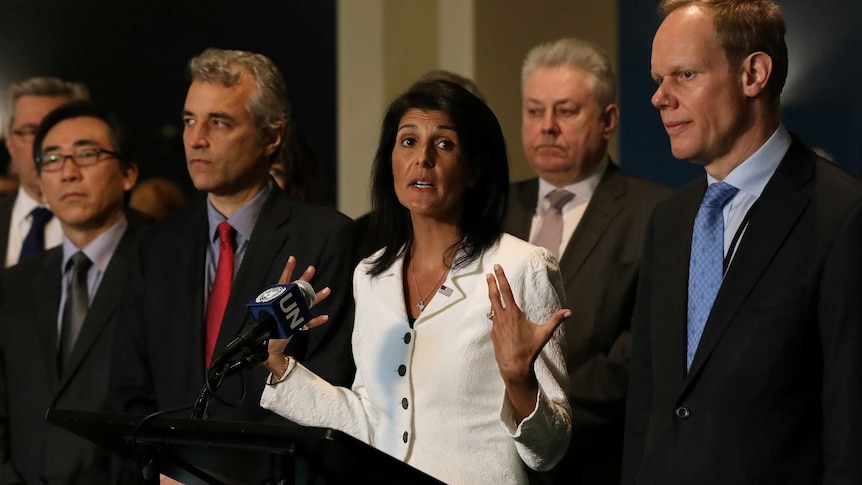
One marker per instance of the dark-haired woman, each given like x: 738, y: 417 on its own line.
x: 452, y: 375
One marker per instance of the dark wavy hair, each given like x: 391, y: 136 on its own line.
x: 483, y: 150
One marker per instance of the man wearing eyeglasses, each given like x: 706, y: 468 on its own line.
x: 27, y: 227
x: 57, y: 310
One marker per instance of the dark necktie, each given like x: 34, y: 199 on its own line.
x: 706, y: 266
x: 550, y: 235
x: 34, y: 243
x: 75, y: 309
x: 220, y: 292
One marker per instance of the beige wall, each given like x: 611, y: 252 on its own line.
x: 384, y: 45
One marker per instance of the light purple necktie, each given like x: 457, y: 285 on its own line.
x: 550, y: 235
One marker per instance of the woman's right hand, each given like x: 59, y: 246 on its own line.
x: 275, y: 362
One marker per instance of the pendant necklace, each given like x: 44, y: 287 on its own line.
x: 421, y: 304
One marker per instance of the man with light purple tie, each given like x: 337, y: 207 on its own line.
x: 591, y: 215
x: 27, y: 226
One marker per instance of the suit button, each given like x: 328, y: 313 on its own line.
x: 404, y: 437
x: 402, y: 369
x: 682, y: 412
x: 404, y: 403
x: 406, y: 338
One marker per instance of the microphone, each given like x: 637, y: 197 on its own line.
x: 278, y: 312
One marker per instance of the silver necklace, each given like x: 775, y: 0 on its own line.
x: 421, y: 304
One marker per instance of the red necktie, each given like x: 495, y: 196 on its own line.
x: 221, y: 288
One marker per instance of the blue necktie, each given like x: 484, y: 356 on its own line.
x: 706, y: 267
x: 34, y: 243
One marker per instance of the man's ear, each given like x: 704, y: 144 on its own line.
x: 611, y: 118
x: 756, y: 71
x: 273, y: 137
x: 130, y: 176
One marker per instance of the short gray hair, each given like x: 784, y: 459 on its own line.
x: 576, y: 54
x: 40, y: 86
x: 269, y: 104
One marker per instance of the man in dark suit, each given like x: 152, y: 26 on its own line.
x: 27, y: 102
x: 569, y: 116
x: 47, y: 357
x: 747, y: 360
x: 234, y: 115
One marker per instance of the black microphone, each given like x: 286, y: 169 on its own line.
x: 278, y: 312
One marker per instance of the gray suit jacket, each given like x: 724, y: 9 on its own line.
x: 599, y: 269
x: 32, y: 450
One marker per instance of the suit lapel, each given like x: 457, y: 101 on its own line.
x: 673, y: 243
x: 6, y: 204
x: 775, y: 214
x: 459, y: 281
x: 602, y: 209
x: 46, y: 285
x: 104, y: 304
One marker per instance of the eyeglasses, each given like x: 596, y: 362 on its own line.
x: 83, y: 157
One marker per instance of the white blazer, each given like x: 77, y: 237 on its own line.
x: 432, y: 395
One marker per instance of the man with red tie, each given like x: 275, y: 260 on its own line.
x: 197, y: 270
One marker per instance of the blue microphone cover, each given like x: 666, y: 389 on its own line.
x: 288, y: 304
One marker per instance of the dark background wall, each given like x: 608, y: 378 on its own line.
x: 820, y: 103
x: 132, y: 55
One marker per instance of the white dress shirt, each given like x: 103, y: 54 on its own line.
x: 19, y: 226
x: 573, y: 211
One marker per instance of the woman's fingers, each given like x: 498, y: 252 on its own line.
x: 505, y: 289
x: 287, y: 272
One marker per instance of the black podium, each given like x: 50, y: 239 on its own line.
x: 232, y: 452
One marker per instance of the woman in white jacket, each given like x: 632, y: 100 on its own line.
x: 452, y: 376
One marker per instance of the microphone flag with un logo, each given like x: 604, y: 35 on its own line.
x: 288, y: 304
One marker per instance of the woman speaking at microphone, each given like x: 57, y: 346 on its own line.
x: 452, y: 375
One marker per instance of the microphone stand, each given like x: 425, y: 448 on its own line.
x: 214, y: 377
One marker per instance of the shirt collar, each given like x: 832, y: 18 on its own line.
x: 243, y: 220
x: 753, y: 174
x: 101, y: 249
x: 24, y: 205
x: 583, y: 189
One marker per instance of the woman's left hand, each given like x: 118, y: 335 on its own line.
x: 517, y: 343
x: 275, y: 362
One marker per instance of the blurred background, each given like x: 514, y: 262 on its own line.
x: 344, y: 60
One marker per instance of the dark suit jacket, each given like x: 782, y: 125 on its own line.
x: 159, y: 359
x: 599, y: 269
x: 30, y: 448
x: 7, y: 202
x: 775, y: 389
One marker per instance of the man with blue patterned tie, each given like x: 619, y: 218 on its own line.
x: 27, y: 226
x: 746, y: 365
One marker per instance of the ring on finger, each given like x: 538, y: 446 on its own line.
x: 490, y: 315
